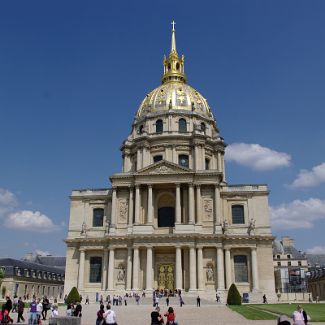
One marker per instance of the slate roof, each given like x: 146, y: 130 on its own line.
x: 316, y: 259
x: 9, y: 264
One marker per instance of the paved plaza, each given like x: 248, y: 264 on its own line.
x: 189, y: 314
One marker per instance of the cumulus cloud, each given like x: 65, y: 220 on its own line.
x: 310, y: 178
x: 316, y: 250
x: 297, y: 214
x: 30, y: 221
x: 8, y: 202
x: 256, y: 157
x: 27, y: 220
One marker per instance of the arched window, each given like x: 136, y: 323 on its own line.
x: 241, y: 270
x: 203, y: 127
x: 182, y: 125
x: 183, y: 160
x: 238, y: 216
x: 157, y: 158
x: 140, y: 130
x: 207, y: 163
x: 98, y: 217
x: 95, y: 272
x: 159, y: 126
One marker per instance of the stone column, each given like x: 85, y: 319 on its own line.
x: 178, y: 204
x: 191, y: 203
x: 192, y: 269
x: 228, y: 268
x: 81, y: 269
x: 139, y: 159
x: 175, y: 158
x: 179, y: 271
x: 202, y: 157
x: 136, y: 268
x: 200, y: 268
x: 113, y: 215
x: 149, y: 269
x: 254, y: 269
x: 217, y: 210
x: 149, y: 204
x: 223, y: 167
x: 220, y: 269
x: 105, y: 262
x: 219, y: 161
x: 198, y: 204
x: 137, y: 205
x: 129, y: 269
x: 196, y: 157
x: 130, y: 221
x: 111, y: 268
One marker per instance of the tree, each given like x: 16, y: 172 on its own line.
x: 233, y: 297
x: 73, y: 296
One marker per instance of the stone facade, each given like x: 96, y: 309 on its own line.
x: 170, y: 221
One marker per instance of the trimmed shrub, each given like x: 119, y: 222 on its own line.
x: 73, y: 296
x: 233, y: 297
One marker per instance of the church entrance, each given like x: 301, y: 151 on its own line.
x: 166, y: 217
x: 166, y: 276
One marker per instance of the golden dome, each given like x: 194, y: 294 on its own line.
x: 174, y: 94
x: 174, y: 97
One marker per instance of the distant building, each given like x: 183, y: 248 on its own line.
x: 290, y: 267
x: 316, y: 275
x: 24, y: 278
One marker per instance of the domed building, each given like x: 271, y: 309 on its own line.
x: 170, y: 221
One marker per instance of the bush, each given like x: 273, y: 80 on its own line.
x: 234, y: 297
x: 73, y: 296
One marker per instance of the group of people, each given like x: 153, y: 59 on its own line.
x: 300, y: 317
x: 157, y: 318
x: 37, y: 310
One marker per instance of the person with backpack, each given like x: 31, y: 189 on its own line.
x: 100, y: 316
x: 171, y: 317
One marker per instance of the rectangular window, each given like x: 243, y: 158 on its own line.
x: 95, y: 274
x: 238, y: 214
x: 98, y: 217
x: 279, y: 263
x: 241, y: 270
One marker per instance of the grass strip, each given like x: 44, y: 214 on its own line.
x: 252, y: 313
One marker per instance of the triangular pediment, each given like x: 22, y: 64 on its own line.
x: 163, y: 167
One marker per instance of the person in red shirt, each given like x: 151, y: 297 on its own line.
x: 171, y: 317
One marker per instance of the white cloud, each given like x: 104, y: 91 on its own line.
x: 8, y: 202
x: 39, y: 252
x: 316, y: 250
x: 30, y: 221
x: 256, y: 157
x: 297, y: 214
x: 310, y: 178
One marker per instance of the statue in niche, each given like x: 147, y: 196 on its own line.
x: 121, y: 273
x: 251, y: 227
x: 209, y: 273
x: 83, y: 229
x: 107, y: 224
x: 225, y: 227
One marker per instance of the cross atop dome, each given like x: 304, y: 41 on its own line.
x: 173, y: 65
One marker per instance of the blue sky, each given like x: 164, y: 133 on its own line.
x: 73, y: 73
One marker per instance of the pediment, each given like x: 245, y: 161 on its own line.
x: 163, y: 167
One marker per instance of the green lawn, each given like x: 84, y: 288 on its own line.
x: 315, y: 311
x: 251, y: 313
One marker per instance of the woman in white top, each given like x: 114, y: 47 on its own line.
x: 299, y: 317
x: 110, y: 316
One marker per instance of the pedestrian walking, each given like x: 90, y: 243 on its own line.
x: 198, y: 301
x: 218, y: 297
x: 100, y: 315
x: 264, y: 299
x: 33, y: 313
x: 110, y: 316
x: 300, y: 316
x: 181, y: 301
x: 87, y: 300
x: 167, y: 301
x: 20, y: 310
x: 46, y: 307
x: 156, y: 318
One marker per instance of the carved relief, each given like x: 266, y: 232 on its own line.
x: 123, y: 210
x: 209, y: 273
x: 162, y: 170
x: 121, y: 273
x: 208, y: 209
